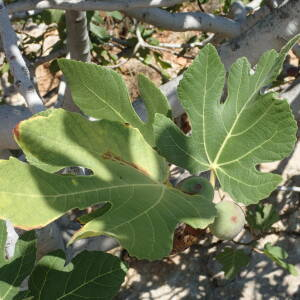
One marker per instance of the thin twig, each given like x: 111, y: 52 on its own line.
x: 188, y: 45
x: 44, y: 59
x: 135, y: 50
x: 200, y: 6
x: 258, y: 251
x: 142, y: 43
x: 119, y: 64
x: 165, y: 46
x: 289, y: 188
x: 245, y: 244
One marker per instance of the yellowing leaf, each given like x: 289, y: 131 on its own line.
x: 127, y: 173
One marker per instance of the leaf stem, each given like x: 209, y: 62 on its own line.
x: 257, y: 250
x: 212, y: 178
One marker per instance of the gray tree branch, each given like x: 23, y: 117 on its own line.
x: 145, y: 11
x: 9, y: 117
x: 82, y: 5
x: 17, y: 63
x: 78, y: 44
x: 186, y: 21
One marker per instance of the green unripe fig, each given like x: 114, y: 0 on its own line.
x: 194, y: 185
x: 229, y: 221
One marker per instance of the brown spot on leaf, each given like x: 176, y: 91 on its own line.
x: 16, y: 131
x: 111, y: 156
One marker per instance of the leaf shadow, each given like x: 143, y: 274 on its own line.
x: 195, y: 274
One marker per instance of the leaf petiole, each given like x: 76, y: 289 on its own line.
x: 212, y: 178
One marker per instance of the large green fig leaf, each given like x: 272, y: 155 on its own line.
x: 68, y: 139
x: 101, y: 93
x: 13, y: 271
x: 128, y: 174
x: 233, y: 137
x: 90, y: 275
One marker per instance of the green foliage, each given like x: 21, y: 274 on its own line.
x: 115, y: 14
x: 99, y: 31
x: 51, y: 279
x: 130, y: 179
x: 13, y: 271
x: 279, y: 255
x: 231, y: 138
x: 49, y: 16
x: 90, y: 275
x: 261, y: 217
x: 233, y: 261
x: 101, y: 93
x: 128, y: 173
x: 96, y: 27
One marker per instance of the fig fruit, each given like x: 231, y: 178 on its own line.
x: 229, y: 221
x: 194, y: 185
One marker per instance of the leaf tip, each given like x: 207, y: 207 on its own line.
x: 16, y: 131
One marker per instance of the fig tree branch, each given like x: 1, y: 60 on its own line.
x: 53, y: 55
x: 18, y: 67
x: 145, y: 11
x: 78, y: 44
x: 186, y: 21
x: 82, y: 5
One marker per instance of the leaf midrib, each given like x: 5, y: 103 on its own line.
x: 145, y: 211
x: 229, y: 135
x: 85, y: 191
x: 106, y: 103
x: 203, y: 110
x: 87, y: 282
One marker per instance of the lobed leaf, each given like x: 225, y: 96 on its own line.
x: 233, y: 261
x: 68, y: 139
x: 91, y: 275
x: 101, y: 93
x: 233, y: 137
x: 127, y: 173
